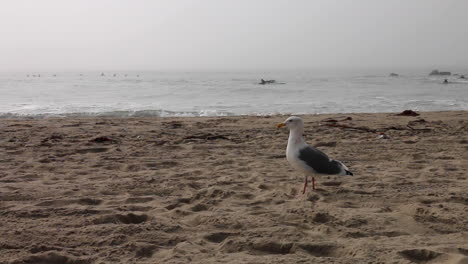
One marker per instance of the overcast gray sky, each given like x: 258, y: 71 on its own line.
x: 231, y: 34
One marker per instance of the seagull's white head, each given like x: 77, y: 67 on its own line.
x: 292, y: 123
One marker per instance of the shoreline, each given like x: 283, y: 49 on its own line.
x: 7, y: 116
x: 219, y: 189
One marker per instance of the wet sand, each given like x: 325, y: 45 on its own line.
x: 219, y: 190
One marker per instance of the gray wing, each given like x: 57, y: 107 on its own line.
x: 319, y: 161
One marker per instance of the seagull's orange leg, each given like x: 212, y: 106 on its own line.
x: 313, y: 183
x: 305, y: 185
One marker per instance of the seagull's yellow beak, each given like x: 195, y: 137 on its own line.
x: 280, y: 125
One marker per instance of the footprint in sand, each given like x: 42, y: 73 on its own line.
x: 53, y: 257
x: 218, y: 237
x: 419, y: 255
x: 121, y: 218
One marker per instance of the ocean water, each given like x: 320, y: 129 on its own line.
x: 223, y: 93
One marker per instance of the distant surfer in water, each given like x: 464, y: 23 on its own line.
x: 266, y: 82
x: 446, y: 81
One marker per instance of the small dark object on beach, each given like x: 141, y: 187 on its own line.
x: 103, y: 139
x: 332, y: 120
x: 408, y: 113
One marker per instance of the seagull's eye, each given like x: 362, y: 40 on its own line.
x: 290, y: 121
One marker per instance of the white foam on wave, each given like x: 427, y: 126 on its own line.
x: 130, y: 113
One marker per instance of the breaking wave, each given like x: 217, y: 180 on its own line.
x: 139, y: 113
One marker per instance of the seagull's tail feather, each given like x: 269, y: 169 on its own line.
x: 345, y: 170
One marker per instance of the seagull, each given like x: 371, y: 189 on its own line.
x: 308, y: 159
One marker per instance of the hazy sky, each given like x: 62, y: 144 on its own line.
x: 231, y: 34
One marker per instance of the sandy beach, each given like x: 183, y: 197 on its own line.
x: 220, y: 190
